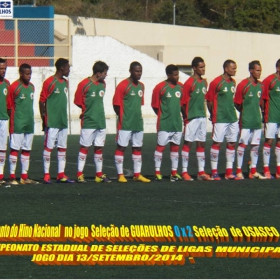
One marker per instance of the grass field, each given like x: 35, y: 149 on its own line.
x: 224, y: 203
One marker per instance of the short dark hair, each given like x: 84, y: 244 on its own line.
x: 278, y: 63
x: 196, y: 61
x: 3, y: 60
x: 134, y: 64
x: 24, y: 66
x: 170, y: 69
x: 99, y: 66
x: 253, y: 63
x: 227, y: 63
x: 60, y: 63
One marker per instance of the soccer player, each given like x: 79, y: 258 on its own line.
x: 247, y: 101
x: 53, y: 110
x: 127, y: 102
x: 223, y: 115
x: 166, y: 103
x: 89, y: 97
x: 4, y: 117
x: 193, y: 109
x: 271, y: 97
x: 20, y: 109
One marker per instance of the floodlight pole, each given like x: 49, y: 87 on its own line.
x: 174, y: 12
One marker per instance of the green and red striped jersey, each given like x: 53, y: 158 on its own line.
x: 249, y: 95
x: 4, y: 90
x: 54, y: 94
x: 220, y: 93
x: 20, y: 102
x: 129, y: 97
x: 89, y: 96
x: 271, y: 96
x: 167, y: 99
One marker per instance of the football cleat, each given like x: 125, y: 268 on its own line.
x: 2, y: 181
x: 216, y: 177
x: 47, y: 179
x: 158, y: 177
x: 142, y: 179
x: 122, y: 179
x: 240, y: 176
x: 187, y: 177
x: 232, y: 177
x: 81, y: 179
x: 102, y: 179
x: 277, y: 176
x: 175, y: 178
x: 268, y: 175
x: 256, y: 175
x: 204, y: 177
x: 13, y: 182
x: 64, y: 180
x: 27, y: 181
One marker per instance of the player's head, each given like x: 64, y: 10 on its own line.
x: 25, y: 73
x: 255, y: 69
x: 229, y: 67
x: 198, y: 66
x: 3, y: 68
x: 100, y: 69
x: 135, y: 70
x: 278, y: 65
x: 172, y: 72
x: 62, y: 66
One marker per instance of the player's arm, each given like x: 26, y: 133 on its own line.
x: 238, y: 97
x: 79, y: 95
x: 210, y: 97
x: 156, y: 99
x: 187, y: 89
x: 117, y: 109
x: 10, y: 98
x: 42, y: 104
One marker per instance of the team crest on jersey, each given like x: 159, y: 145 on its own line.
x: 93, y: 94
x: 140, y: 93
x: 259, y: 94
x: 5, y: 91
x: 66, y: 90
x: 233, y: 89
x: 101, y: 93
x: 178, y: 94
x: 57, y: 91
x: 204, y: 90
x: 32, y: 95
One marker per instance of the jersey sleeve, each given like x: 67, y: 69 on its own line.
x: 211, y: 91
x: 266, y: 83
x: 78, y: 99
x: 143, y: 89
x: 187, y: 89
x: 238, y: 97
x: 156, y: 97
x: 45, y: 91
x: 119, y: 94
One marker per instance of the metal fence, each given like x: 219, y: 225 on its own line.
x: 38, y: 42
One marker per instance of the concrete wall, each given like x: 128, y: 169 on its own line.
x: 179, y: 44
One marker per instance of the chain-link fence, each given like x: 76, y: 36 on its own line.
x: 38, y: 42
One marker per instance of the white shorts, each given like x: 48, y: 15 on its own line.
x: 272, y: 129
x: 164, y: 137
x: 94, y: 137
x: 21, y: 141
x: 124, y: 136
x: 228, y: 130
x: 3, y: 134
x: 195, y: 130
x: 56, y: 137
x: 250, y: 136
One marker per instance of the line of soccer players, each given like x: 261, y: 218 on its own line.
x: 171, y: 101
